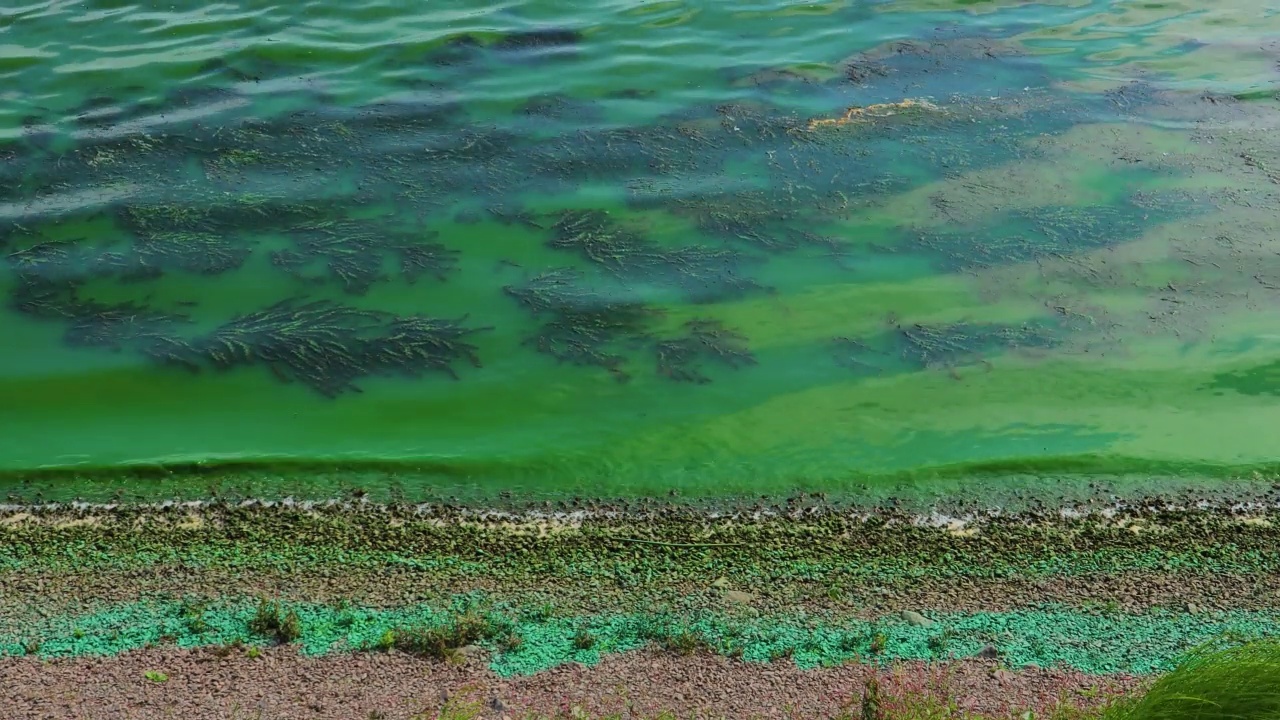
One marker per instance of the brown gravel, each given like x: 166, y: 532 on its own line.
x: 282, y: 684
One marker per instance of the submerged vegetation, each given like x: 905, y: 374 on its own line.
x: 328, y: 346
x: 929, y: 347
x: 705, y: 273
x: 678, y: 358
x: 354, y: 254
x: 752, y: 189
x: 585, y: 327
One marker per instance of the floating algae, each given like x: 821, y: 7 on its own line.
x: 536, y: 39
x: 586, y: 336
x: 327, y: 346
x: 560, y: 107
x: 92, y: 324
x: 584, y: 326
x: 199, y: 253
x: 353, y: 253
x: 704, y: 273
x: 456, y: 50
x: 926, y: 347
x: 587, y: 328
x: 870, y: 113
x: 820, y: 170
x: 1262, y: 379
x: 678, y: 358
x: 933, y: 346
x: 321, y: 344
x: 1041, y: 232
x: 772, y: 222
x: 146, y: 256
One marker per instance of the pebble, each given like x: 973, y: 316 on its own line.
x: 738, y: 596
x: 989, y: 652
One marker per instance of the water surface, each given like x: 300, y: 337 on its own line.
x: 711, y: 248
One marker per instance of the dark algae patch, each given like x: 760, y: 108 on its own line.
x: 1259, y: 380
x: 354, y: 254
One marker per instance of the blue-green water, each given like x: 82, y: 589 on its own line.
x: 719, y: 248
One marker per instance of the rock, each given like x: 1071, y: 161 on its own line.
x: 1193, y: 608
x: 989, y: 652
x: 721, y: 582
x: 915, y: 619
x: 470, y: 653
x: 738, y: 596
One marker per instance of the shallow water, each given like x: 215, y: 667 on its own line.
x: 718, y: 249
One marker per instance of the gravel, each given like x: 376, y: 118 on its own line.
x: 197, y: 684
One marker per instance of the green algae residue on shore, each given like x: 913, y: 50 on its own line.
x: 1097, y: 643
x: 856, y: 249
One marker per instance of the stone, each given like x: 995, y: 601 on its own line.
x: 989, y: 652
x: 470, y: 653
x: 738, y: 596
x: 915, y: 619
x: 720, y: 582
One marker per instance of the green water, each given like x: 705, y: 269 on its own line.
x: 635, y: 248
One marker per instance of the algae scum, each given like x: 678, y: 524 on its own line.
x: 632, y: 251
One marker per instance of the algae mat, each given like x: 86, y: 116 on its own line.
x: 1092, y: 643
x: 854, y: 248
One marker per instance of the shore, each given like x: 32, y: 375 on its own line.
x: 362, y: 610
x: 282, y: 684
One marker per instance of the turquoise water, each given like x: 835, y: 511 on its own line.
x: 720, y: 249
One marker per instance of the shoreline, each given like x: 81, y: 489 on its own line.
x: 833, y: 567
x: 1084, y: 484
x: 354, y: 586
